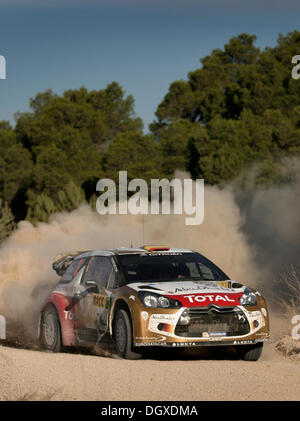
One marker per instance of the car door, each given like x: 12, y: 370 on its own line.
x: 93, y: 309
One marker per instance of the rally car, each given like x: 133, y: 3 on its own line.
x: 148, y: 297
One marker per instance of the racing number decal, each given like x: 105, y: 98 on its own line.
x: 101, y: 301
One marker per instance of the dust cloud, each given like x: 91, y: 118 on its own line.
x: 251, y: 240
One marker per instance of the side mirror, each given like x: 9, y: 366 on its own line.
x: 91, y: 286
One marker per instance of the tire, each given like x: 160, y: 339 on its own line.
x: 249, y: 352
x: 51, y: 330
x: 123, y: 336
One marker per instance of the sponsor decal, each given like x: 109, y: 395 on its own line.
x: 198, y: 286
x: 172, y: 344
x: 150, y: 344
x: 68, y: 315
x: 163, y: 322
x: 164, y: 317
x: 101, y: 301
x: 167, y: 253
x: 224, y: 284
x: 108, y: 303
x: 204, y: 300
x: 213, y: 335
x: 198, y: 343
x: 180, y: 344
x: 157, y: 338
x: 132, y: 297
x: 217, y: 334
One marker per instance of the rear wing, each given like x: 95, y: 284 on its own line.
x: 62, y: 261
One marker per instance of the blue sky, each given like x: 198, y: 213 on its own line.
x: 144, y: 45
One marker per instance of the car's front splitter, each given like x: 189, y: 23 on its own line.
x: 200, y: 344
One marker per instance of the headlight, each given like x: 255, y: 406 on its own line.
x: 150, y: 301
x: 155, y: 300
x: 248, y: 299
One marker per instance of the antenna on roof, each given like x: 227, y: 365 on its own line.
x: 131, y: 246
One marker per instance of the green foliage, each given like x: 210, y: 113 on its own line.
x: 66, y: 137
x: 99, y: 115
x: 138, y: 154
x: 239, y: 110
x: 15, y: 163
x: 41, y: 206
x: 70, y: 197
x: 7, y: 223
x: 173, y: 140
x: 242, y: 106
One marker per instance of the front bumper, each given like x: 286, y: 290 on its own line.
x: 199, y: 326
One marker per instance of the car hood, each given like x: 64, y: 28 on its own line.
x: 195, y: 293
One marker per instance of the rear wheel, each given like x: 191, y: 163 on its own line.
x: 50, y: 330
x: 123, y: 336
x: 249, y: 352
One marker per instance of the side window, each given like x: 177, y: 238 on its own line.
x: 72, y: 271
x: 99, y: 270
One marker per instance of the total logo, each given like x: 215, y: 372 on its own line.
x: 193, y: 300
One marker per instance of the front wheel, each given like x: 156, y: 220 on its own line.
x: 249, y: 352
x: 50, y: 330
x: 123, y: 336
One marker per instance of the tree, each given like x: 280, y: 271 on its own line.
x: 70, y: 197
x: 15, y: 164
x: 7, y: 223
x: 40, y: 207
x: 240, y: 107
x: 138, y: 154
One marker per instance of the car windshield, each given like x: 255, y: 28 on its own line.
x: 147, y: 267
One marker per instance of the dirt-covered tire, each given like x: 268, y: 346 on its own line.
x: 123, y: 336
x: 249, y: 352
x: 50, y: 330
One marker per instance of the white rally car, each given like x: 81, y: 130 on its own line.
x: 151, y: 296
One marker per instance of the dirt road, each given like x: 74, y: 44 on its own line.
x: 35, y: 375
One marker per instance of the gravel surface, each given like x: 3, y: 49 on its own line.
x: 36, y: 375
